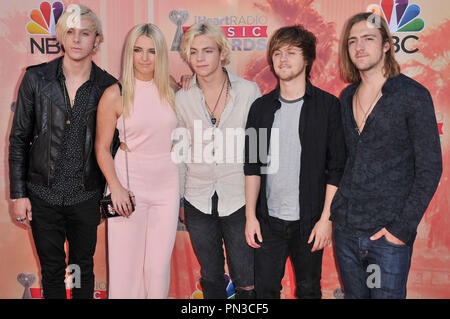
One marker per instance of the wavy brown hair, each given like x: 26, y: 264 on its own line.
x: 296, y: 36
x: 349, y: 72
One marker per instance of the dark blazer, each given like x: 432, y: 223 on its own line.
x: 38, y: 129
x: 323, y: 149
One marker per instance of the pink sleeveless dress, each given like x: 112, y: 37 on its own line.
x: 140, y: 247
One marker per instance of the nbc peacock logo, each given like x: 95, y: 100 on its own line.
x: 43, y: 20
x: 402, y: 17
x: 42, y: 23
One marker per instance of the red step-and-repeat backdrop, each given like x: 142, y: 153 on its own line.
x: 419, y: 27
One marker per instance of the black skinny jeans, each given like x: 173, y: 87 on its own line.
x: 51, y: 225
x: 280, y: 240
x: 208, y: 234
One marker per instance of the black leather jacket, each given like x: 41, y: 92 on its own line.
x: 38, y: 129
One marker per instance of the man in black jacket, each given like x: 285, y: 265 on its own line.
x: 289, y: 189
x: 55, y: 183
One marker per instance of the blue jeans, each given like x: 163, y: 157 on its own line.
x: 371, y: 269
x: 208, y: 234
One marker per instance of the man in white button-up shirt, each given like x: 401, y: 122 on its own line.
x: 212, y: 114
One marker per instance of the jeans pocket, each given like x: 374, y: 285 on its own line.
x: 387, y: 242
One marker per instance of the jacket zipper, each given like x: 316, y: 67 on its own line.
x: 90, y: 147
x: 84, y: 164
x: 49, y: 143
x: 35, y: 138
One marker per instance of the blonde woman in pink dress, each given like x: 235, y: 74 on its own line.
x: 140, y: 243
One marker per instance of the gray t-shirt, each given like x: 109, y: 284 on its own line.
x: 282, y: 188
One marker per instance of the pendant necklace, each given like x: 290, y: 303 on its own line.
x: 72, y: 102
x: 365, y: 113
x: 211, y: 114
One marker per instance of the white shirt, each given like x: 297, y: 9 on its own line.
x: 214, y: 156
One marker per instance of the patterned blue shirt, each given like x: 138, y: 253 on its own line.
x: 394, y: 166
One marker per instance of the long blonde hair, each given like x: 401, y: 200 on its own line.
x: 161, y: 76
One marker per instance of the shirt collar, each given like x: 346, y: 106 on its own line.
x: 388, y: 87
x: 309, y: 91
x: 60, y: 73
x: 231, y: 78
